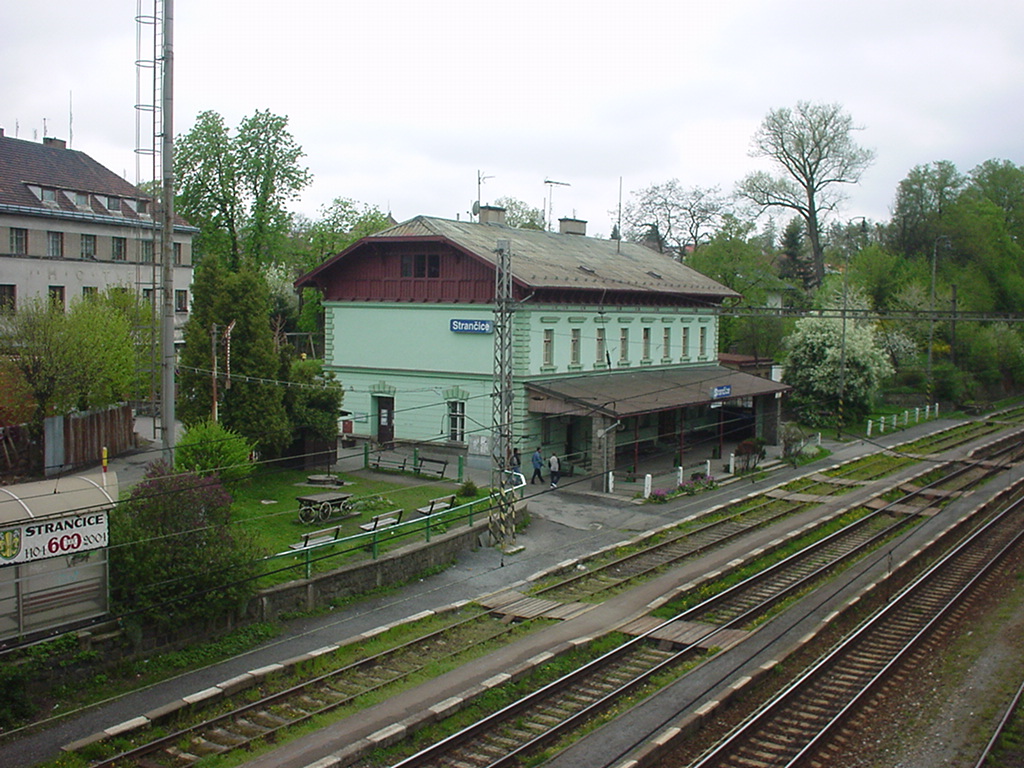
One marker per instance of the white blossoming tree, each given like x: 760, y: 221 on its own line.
x: 822, y: 374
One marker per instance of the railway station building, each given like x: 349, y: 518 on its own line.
x: 614, y: 346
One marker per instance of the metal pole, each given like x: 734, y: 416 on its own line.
x: 167, y: 389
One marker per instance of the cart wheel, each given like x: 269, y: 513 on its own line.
x: 307, y: 514
x: 325, y: 510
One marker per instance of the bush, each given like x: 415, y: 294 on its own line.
x: 175, y: 556
x: 468, y: 490
x: 207, y: 447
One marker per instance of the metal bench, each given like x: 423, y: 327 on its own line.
x: 313, y: 538
x: 426, y: 466
x: 437, y: 505
x: 383, y: 520
x: 393, y: 462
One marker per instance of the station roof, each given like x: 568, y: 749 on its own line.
x: 633, y: 393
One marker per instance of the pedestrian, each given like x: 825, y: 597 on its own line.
x: 556, y: 470
x: 517, y: 462
x: 538, y: 465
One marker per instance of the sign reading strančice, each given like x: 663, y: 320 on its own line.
x: 471, y: 326
x: 40, y: 539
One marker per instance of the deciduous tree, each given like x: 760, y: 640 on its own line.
x: 235, y: 187
x: 813, y: 146
x: 680, y: 218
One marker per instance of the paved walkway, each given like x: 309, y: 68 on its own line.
x: 565, y: 524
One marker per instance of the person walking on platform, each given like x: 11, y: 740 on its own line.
x: 556, y: 470
x: 538, y: 465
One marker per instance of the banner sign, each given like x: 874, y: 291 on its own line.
x: 40, y: 539
x: 471, y: 326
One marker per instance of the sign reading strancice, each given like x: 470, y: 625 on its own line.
x: 39, y: 539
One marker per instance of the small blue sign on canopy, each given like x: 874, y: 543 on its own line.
x: 471, y: 326
x: 717, y: 393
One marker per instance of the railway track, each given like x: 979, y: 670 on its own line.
x: 341, y: 687
x: 800, y: 726
x: 540, y: 718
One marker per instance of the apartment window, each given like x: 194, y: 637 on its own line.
x: 181, y: 301
x: 88, y: 248
x: 646, y: 345
x: 55, y: 245
x: 686, y: 343
x: 8, y: 301
x: 666, y: 343
x: 81, y: 199
x: 574, y: 346
x: 49, y: 195
x: 56, y: 294
x: 148, y: 295
x: 602, y: 346
x: 421, y: 265
x: 177, y: 254
x: 114, y: 204
x: 118, y: 248
x: 146, y: 249
x: 90, y: 292
x: 703, y: 342
x: 19, y: 241
x: 624, y: 345
x: 457, y: 421
x: 548, y: 356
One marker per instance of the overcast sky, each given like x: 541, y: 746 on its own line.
x: 399, y: 103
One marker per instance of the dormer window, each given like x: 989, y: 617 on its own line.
x: 48, y: 195
x: 114, y: 204
x: 81, y: 199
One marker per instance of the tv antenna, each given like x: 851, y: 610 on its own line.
x: 551, y: 184
x: 480, y: 179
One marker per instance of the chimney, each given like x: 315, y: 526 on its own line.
x: 1, y: 133
x: 492, y: 214
x: 572, y: 227
x: 49, y: 141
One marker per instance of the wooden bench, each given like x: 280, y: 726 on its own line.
x: 426, y: 466
x: 313, y: 538
x: 437, y: 505
x: 382, y: 461
x: 383, y: 520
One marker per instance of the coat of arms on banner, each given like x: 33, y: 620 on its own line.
x: 10, y: 543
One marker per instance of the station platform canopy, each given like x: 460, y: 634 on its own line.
x: 635, y: 393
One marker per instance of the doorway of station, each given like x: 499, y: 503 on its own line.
x: 385, y: 421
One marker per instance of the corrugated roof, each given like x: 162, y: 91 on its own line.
x: 553, y: 260
x: 636, y: 392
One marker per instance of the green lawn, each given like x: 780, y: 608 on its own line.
x: 265, y: 504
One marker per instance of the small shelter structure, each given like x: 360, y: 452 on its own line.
x: 53, y: 557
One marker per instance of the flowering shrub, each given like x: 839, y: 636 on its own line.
x: 698, y: 482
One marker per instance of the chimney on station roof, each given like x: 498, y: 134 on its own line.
x: 492, y: 214
x: 569, y: 226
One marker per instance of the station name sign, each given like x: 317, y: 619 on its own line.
x: 471, y: 326
x: 40, y: 539
x: 718, y: 393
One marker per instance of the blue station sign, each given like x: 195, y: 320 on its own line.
x: 471, y: 326
x: 723, y: 391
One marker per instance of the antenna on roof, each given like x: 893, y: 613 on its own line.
x: 551, y: 184
x: 71, y: 119
x: 618, y: 224
x: 480, y: 179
